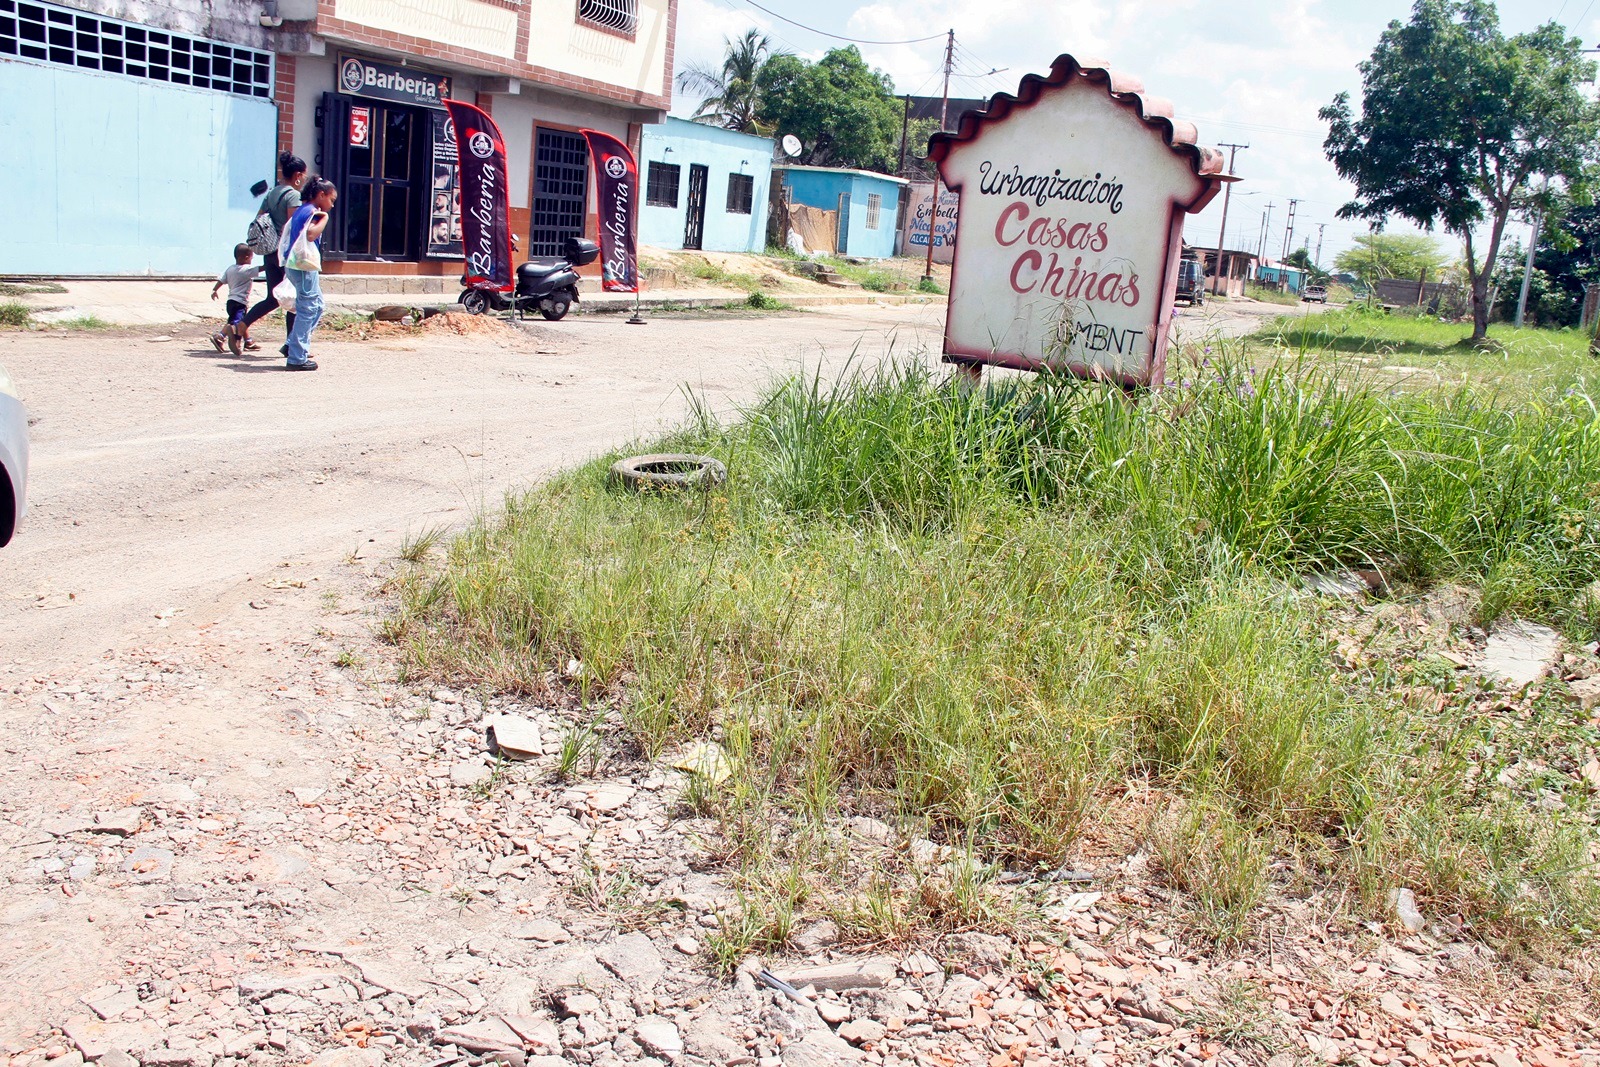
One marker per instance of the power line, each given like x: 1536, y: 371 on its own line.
x: 836, y: 36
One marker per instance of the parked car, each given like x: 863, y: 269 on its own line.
x: 1191, y: 283
x: 13, y: 458
x: 1315, y: 294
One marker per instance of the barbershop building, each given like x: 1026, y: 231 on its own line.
x: 154, y: 130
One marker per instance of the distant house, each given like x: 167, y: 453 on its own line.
x: 1236, y: 267
x: 704, y: 187
x: 866, y: 206
x: 1281, y: 276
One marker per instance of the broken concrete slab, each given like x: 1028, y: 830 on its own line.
x: 490, y: 1035
x: 873, y: 972
x: 123, y: 823
x: 659, y: 1036
x: 513, y: 737
x: 634, y: 958
x: 1520, y: 653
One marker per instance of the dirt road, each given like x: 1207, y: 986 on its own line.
x: 164, y: 473
x: 229, y: 834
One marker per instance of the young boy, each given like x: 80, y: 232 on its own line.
x: 238, y: 278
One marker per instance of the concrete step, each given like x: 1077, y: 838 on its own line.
x: 838, y: 281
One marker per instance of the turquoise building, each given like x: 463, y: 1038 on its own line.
x: 867, y: 203
x: 129, y: 149
x: 704, y: 187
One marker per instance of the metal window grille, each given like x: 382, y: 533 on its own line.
x: 661, y: 185
x: 741, y: 191
x: 50, y: 34
x: 561, y: 190
x: 874, y: 209
x: 622, y: 15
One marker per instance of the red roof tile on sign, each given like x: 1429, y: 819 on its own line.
x: 1125, y: 89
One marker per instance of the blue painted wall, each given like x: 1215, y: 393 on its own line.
x: 821, y: 188
x: 1291, y: 277
x: 105, y: 174
x: 722, y: 152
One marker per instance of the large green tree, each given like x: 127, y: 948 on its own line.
x: 1460, y: 125
x: 844, y: 112
x: 1376, y: 256
x: 731, y: 94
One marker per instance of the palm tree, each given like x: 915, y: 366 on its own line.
x: 732, y: 96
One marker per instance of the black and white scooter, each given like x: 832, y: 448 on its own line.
x: 548, y: 286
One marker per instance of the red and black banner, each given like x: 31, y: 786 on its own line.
x: 485, y: 196
x: 617, y: 183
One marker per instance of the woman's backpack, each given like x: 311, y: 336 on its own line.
x: 262, y: 236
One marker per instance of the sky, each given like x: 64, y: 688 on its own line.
x: 1249, y: 72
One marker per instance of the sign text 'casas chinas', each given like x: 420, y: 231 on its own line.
x: 1073, y: 195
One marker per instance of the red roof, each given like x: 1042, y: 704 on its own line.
x: 1125, y: 89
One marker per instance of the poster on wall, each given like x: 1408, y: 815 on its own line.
x: 444, y: 194
x: 1072, y: 197
x: 360, y: 127
x: 920, y: 221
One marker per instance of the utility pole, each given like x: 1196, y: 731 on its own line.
x: 905, y: 129
x: 1227, y: 193
x: 944, y: 114
x: 1266, y: 227
x: 1288, y: 233
x: 1527, y: 268
x: 1317, y: 259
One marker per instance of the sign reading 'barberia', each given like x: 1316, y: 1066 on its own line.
x: 384, y: 81
x: 1072, y: 200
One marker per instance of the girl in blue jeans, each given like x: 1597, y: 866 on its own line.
x: 316, y: 200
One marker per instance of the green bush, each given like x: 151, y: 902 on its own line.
x: 14, y: 313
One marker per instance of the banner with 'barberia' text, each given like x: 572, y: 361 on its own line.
x: 617, y: 185
x: 485, y: 196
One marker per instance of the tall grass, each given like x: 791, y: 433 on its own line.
x: 987, y: 610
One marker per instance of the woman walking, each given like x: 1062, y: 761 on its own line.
x: 279, y: 204
x: 301, y: 251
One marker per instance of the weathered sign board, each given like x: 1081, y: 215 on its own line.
x: 922, y: 223
x: 1072, y: 200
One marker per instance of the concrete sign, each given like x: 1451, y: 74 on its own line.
x: 920, y: 220
x: 1072, y: 198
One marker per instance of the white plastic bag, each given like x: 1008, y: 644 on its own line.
x: 283, y: 293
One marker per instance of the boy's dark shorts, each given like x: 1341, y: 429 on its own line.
x: 236, y: 312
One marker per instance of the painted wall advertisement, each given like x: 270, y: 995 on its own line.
x: 920, y: 220
x: 1071, y: 202
x: 444, y: 206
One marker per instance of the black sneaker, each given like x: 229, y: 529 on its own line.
x: 309, y: 364
x: 283, y: 350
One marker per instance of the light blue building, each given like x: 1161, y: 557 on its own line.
x: 127, y: 148
x: 705, y: 187
x: 1281, y: 276
x: 868, y: 205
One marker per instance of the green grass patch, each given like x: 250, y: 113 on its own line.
x: 986, y: 613
x: 1422, y: 349
x: 83, y: 322
x: 1270, y: 295
x: 760, y: 301
x: 26, y: 288
x: 14, y: 313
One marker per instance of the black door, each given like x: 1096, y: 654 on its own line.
x: 695, y: 227
x: 381, y: 180
x: 560, y: 191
